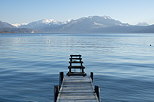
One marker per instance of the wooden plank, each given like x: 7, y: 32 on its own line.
x: 75, y: 58
x: 75, y: 55
x: 82, y: 67
x: 77, y: 89
x: 76, y: 62
x: 76, y: 74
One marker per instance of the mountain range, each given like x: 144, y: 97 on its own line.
x: 91, y: 24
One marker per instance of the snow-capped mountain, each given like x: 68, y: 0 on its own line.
x: 85, y: 24
x: 9, y: 28
x: 91, y: 24
x: 41, y: 23
x: 18, y: 25
x: 48, y: 21
x: 142, y: 24
x: 98, y: 21
x: 44, y: 25
x: 37, y: 23
x: 88, y: 24
x: 5, y: 25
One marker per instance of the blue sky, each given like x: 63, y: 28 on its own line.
x: 127, y: 11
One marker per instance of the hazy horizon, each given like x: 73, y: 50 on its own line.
x: 127, y: 11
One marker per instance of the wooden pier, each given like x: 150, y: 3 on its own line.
x: 76, y: 86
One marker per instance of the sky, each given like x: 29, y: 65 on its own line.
x: 127, y: 11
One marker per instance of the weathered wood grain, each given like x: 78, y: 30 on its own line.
x: 77, y: 89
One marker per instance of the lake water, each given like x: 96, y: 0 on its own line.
x: 123, y: 65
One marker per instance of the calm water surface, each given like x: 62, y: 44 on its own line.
x: 123, y: 65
